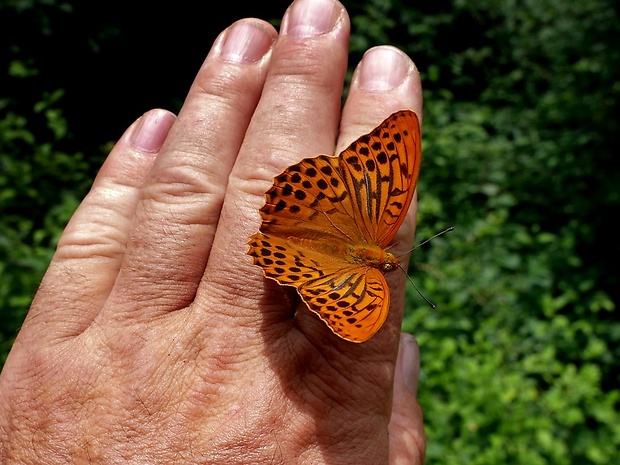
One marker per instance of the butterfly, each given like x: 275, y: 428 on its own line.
x: 328, y: 223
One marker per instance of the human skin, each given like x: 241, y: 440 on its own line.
x: 153, y: 338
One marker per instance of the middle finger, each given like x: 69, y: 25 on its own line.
x: 297, y: 117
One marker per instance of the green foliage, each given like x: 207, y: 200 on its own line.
x: 41, y: 180
x: 40, y: 187
x: 520, y: 130
x: 518, y: 361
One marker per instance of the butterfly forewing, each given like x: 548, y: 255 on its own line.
x: 311, y: 200
x: 381, y: 171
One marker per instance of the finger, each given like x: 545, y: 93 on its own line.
x: 296, y: 117
x: 180, y: 207
x: 386, y: 80
x: 299, y: 111
x: 90, y: 250
x: 407, y: 440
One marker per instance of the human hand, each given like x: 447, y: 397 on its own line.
x: 153, y: 338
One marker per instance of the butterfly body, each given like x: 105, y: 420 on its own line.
x: 328, y: 221
x: 373, y: 256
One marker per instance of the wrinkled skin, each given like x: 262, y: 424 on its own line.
x: 153, y: 338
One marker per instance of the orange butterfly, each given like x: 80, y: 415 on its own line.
x: 327, y: 223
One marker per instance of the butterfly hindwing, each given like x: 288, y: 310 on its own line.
x: 353, y: 300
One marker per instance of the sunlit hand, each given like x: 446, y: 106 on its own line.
x: 153, y: 338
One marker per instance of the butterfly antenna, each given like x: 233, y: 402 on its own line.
x: 430, y: 304
x: 451, y: 228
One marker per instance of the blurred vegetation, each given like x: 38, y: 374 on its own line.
x: 520, y: 143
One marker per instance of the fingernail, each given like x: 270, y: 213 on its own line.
x: 310, y: 18
x: 383, y: 68
x: 152, y: 130
x: 245, y: 42
x: 409, y: 359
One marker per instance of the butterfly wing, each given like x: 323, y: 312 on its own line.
x: 362, y: 196
x: 353, y: 300
x: 310, y: 200
x: 380, y: 171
